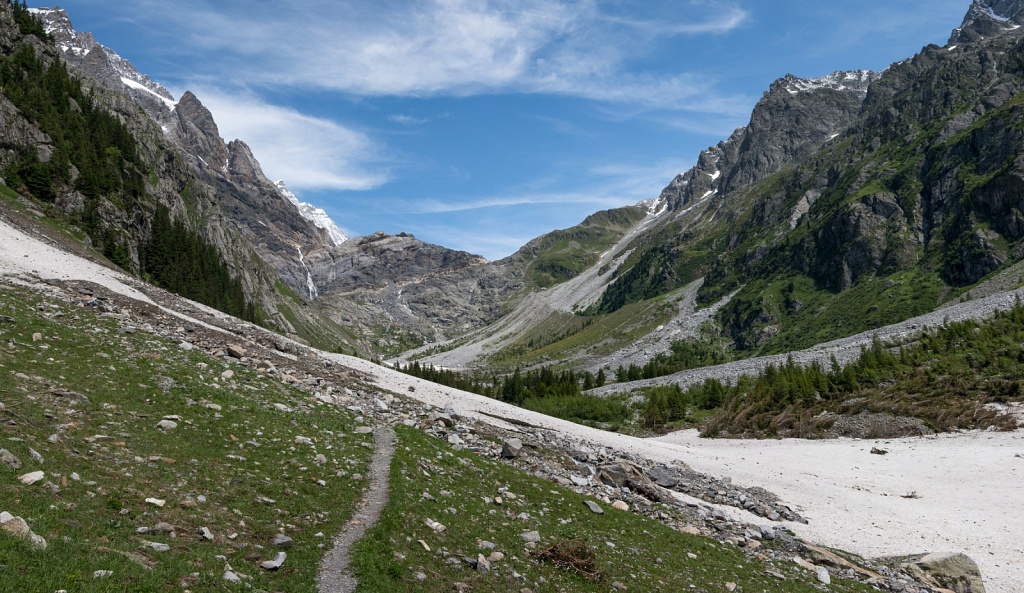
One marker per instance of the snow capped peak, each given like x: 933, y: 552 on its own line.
x: 118, y: 73
x: 313, y: 214
x: 854, y: 80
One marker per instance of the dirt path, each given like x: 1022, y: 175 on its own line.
x: 334, y: 572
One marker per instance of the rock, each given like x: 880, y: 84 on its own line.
x: 662, y: 477
x: 303, y: 441
x: 805, y: 564
x: 156, y: 501
x: 236, y: 351
x: 102, y: 574
x: 320, y: 459
x: 37, y: 541
x: 162, y: 527
x: 36, y: 456
x: 227, y: 375
x: 167, y: 425
x: 444, y: 419
x: 579, y: 480
x: 206, y: 534
x: 282, y: 408
x: 453, y: 439
x: 231, y: 577
x: 364, y: 430
x: 32, y: 478
x: 380, y: 405
x: 37, y: 337
x: 419, y: 576
x: 511, y: 448
x: 622, y: 506
x: 621, y: 473
x: 823, y: 576
x: 453, y: 411
x: 877, y: 451
x: 282, y: 541
x: 186, y: 346
x: 8, y: 459
x: 956, y: 572
x: 15, y: 526
x: 594, y: 507
x: 158, y: 547
x: 482, y: 564
x: 275, y: 563
x: 530, y: 536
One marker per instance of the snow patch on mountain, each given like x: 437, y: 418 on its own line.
x: 313, y: 214
x: 139, y: 86
x: 855, y: 80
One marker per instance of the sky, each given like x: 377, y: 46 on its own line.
x: 481, y: 124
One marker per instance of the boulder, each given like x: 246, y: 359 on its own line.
x: 452, y: 410
x: 953, y: 571
x: 511, y: 448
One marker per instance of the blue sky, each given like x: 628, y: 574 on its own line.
x: 480, y: 124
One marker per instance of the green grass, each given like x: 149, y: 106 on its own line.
x: 92, y: 524
x: 647, y: 555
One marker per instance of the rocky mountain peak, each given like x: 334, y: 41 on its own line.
x: 315, y: 215
x: 103, y: 64
x: 856, y: 81
x: 793, y: 118
x: 197, y: 132
x: 988, y: 18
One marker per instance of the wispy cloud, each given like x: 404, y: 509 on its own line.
x: 307, y: 152
x: 608, y: 186
x: 446, y: 47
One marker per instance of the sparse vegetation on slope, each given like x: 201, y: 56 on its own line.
x: 87, y: 394
x: 959, y: 376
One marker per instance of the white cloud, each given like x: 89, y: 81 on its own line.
x: 307, y: 152
x: 447, y: 47
x: 610, y: 186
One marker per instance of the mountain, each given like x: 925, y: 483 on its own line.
x: 313, y: 214
x: 103, y: 64
x: 848, y: 201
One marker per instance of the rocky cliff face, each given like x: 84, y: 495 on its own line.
x: 793, y: 119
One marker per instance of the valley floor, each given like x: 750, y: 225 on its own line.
x: 955, y: 492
